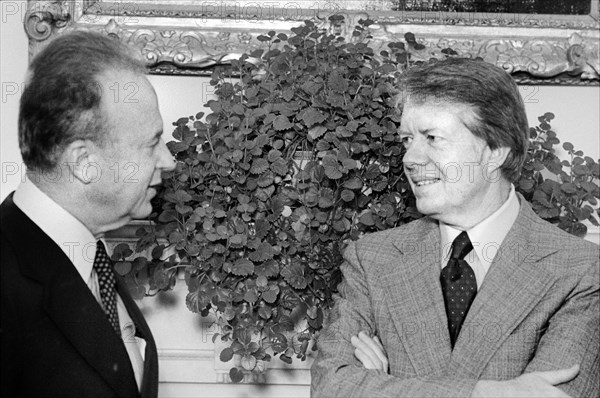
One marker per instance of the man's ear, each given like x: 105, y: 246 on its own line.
x: 78, y: 159
x: 497, y: 157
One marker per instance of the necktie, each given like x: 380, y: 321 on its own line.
x: 107, y: 283
x: 458, y: 285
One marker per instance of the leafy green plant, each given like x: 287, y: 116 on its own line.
x: 562, y: 192
x: 298, y: 155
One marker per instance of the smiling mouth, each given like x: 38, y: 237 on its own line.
x: 426, y: 182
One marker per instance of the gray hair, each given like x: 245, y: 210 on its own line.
x: 62, y: 95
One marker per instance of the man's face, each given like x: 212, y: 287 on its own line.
x: 449, y: 169
x: 134, y: 156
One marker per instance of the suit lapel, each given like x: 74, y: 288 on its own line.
x: 69, y: 302
x: 84, y: 323
x: 150, y: 379
x: 511, y: 289
x: 415, y: 298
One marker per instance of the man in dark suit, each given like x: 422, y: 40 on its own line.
x: 481, y: 297
x: 90, y: 136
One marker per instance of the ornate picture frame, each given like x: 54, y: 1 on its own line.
x: 190, y: 37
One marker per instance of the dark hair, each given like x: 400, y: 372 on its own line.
x: 61, y: 99
x: 491, y: 92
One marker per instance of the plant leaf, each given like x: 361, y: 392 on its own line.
x: 316, y: 132
x: 250, y: 296
x: 367, y: 219
x: 280, y: 167
x: 242, y: 267
x: 353, y: 183
x: 312, y: 116
x: 235, y: 374
x: 337, y: 82
x: 294, y: 275
x: 279, y: 343
x: 123, y: 267
x: 226, y: 355
x: 282, y: 123
x: 259, y: 166
x: 265, y: 312
x: 311, y: 87
x: 347, y: 195
x: 568, y: 188
x: 270, y: 296
x: 286, y: 359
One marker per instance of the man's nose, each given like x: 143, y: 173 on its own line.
x: 414, y: 155
x: 166, y: 161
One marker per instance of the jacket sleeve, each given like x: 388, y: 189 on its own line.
x: 573, y: 336
x: 337, y: 373
x: 10, y: 338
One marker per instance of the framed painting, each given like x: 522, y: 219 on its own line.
x: 537, y: 42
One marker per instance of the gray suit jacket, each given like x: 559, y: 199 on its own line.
x: 538, y: 309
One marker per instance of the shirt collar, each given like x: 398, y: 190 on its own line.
x: 73, y: 238
x: 487, y: 236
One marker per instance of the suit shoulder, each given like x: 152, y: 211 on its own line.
x: 563, y: 253
x: 567, y: 244
x: 578, y: 247
x: 410, y: 230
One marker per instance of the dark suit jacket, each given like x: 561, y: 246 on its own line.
x: 537, y: 309
x: 56, y: 340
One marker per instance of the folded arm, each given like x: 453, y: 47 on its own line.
x: 337, y: 372
x: 567, y: 354
x: 370, y: 352
x: 573, y: 337
x: 353, y: 364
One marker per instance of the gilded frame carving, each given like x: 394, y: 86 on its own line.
x: 190, y: 37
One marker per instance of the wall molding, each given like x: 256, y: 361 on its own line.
x: 191, y: 39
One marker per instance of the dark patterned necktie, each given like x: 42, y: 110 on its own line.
x: 459, y: 285
x: 107, y: 283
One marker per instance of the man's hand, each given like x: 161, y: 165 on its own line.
x: 535, y: 384
x: 369, y: 351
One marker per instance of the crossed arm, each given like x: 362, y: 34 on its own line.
x: 370, y: 352
x: 350, y: 363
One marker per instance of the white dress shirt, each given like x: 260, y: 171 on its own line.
x: 78, y: 243
x: 486, y: 237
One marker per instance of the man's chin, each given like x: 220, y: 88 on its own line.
x: 142, y: 212
x: 427, y: 209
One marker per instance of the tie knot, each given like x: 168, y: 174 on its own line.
x: 461, y: 246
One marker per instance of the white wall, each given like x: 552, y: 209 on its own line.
x: 13, y: 63
x: 576, y: 110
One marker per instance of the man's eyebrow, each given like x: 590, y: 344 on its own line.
x: 422, y: 132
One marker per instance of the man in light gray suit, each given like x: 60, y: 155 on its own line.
x: 481, y: 297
